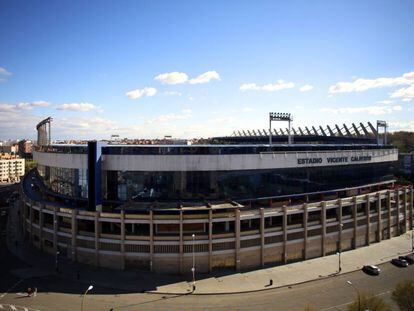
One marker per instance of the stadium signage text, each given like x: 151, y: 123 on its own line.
x: 334, y: 160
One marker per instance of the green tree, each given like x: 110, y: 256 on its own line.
x: 403, y: 295
x: 368, y: 302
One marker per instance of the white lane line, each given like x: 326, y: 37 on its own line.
x: 1, y: 307
x: 25, y: 309
x: 13, y: 307
x: 15, y: 284
x: 347, y: 303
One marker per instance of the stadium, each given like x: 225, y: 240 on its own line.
x: 252, y: 199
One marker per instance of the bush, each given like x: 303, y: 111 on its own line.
x: 368, y: 302
x: 403, y: 295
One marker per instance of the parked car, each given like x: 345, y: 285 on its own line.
x: 402, y: 263
x: 408, y: 258
x: 371, y: 269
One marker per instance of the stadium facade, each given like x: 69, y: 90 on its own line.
x: 237, y: 202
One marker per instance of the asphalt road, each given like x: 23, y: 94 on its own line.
x: 58, y: 294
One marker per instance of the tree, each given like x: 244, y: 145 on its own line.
x: 368, y: 302
x: 403, y: 295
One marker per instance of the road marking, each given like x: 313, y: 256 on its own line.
x: 347, y: 303
x: 15, y: 284
x: 16, y: 308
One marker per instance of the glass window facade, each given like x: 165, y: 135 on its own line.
x: 244, y: 184
x: 65, y: 181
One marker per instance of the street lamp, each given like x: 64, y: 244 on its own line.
x: 359, y: 296
x: 57, y: 261
x: 83, y: 298
x: 193, y: 268
x: 339, y: 262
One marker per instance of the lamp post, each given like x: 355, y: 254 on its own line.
x: 57, y: 261
x: 359, y: 297
x: 193, y: 268
x: 83, y: 298
x: 339, y: 262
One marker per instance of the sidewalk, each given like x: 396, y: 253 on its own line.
x: 140, y: 281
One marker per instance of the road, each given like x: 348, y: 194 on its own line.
x: 58, y: 294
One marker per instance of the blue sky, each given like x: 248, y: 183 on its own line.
x: 202, y: 68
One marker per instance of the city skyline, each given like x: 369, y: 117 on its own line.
x: 149, y: 69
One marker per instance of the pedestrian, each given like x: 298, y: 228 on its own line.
x: 34, y: 291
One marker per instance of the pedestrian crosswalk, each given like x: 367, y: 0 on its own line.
x: 7, y: 307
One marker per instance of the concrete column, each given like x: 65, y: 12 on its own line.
x: 355, y: 215
x: 31, y: 223
x: 210, y: 240
x: 323, y: 219
x: 181, y: 243
x: 368, y: 218
x: 123, y: 237
x: 411, y: 207
x: 262, y: 236
x: 55, y: 230
x: 285, y: 234
x: 237, y: 246
x: 41, y: 226
x: 340, y: 225
x: 97, y: 235
x: 74, y: 230
x: 379, y: 224
x: 389, y: 212
x: 305, y: 231
x: 397, y: 204
x: 151, y: 233
x: 405, y: 210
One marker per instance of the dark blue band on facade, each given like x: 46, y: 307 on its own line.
x: 94, y: 175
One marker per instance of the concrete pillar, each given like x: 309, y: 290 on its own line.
x: 41, y: 226
x: 305, y: 231
x: 123, y: 237
x: 405, y: 210
x: 323, y: 219
x: 237, y: 246
x: 368, y: 218
x: 411, y: 207
x: 97, y: 235
x: 31, y: 223
x: 355, y: 215
x: 379, y: 223
x: 397, y: 204
x: 210, y: 240
x: 285, y: 234
x: 74, y: 230
x: 181, y: 247
x: 340, y: 225
x: 151, y: 233
x: 262, y: 236
x: 389, y: 212
x: 55, y: 229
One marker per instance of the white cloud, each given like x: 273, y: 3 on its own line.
x: 401, y: 125
x: 146, y: 91
x: 206, y: 77
x: 385, y: 102
x: 172, y: 93
x: 4, y: 72
x: 360, y: 85
x: 77, y: 107
x: 172, y: 77
x: 306, y: 88
x: 247, y: 109
x: 406, y: 99
x: 372, y: 110
x: 280, y: 85
x: 185, y: 114
x: 23, y: 106
x: 404, y: 93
